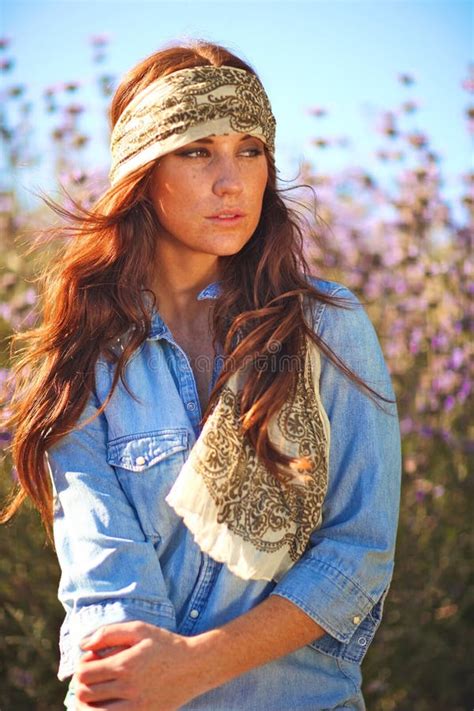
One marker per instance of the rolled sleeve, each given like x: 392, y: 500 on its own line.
x: 110, y: 571
x: 349, y: 563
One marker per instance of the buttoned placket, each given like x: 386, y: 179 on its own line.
x: 187, y: 382
x: 210, y: 568
x: 207, y: 577
x: 187, y: 385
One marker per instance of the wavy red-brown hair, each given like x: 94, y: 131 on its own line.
x: 93, y: 292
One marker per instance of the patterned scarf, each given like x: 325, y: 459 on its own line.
x: 236, y: 510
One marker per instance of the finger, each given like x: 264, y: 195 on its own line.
x: 108, y: 651
x: 107, y: 691
x: 88, y: 656
x: 104, y: 706
x: 95, y: 671
x: 121, y: 633
x: 94, y: 655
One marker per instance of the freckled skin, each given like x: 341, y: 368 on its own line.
x: 188, y: 186
x: 202, y: 178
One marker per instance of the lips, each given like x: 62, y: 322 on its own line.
x: 229, y: 216
x: 228, y: 212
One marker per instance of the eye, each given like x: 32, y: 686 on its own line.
x: 194, y: 153
x: 252, y: 148
x: 252, y: 152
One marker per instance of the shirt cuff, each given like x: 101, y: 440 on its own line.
x: 89, y: 618
x: 330, y: 598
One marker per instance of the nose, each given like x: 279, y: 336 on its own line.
x: 228, y: 179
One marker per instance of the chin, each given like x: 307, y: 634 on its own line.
x: 230, y: 250
x: 228, y: 247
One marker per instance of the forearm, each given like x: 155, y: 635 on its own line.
x: 270, y: 630
x: 163, y: 669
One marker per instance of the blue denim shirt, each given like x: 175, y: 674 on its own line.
x: 126, y: 555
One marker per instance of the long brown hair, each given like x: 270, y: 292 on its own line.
x: 93, y: 293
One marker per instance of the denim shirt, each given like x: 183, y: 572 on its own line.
x: 125, y: 554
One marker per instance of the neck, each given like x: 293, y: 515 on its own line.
x: 176, y: 289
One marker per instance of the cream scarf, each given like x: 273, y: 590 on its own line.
x: 236, y: 510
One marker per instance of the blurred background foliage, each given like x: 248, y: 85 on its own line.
x: 410, y: 261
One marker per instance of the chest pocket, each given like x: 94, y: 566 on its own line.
x: 147, y: 465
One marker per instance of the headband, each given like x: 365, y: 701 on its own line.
x: 187, y: 105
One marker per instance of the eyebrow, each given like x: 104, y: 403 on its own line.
x: 210, y: 140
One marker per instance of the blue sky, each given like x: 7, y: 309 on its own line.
x: 344, y: 55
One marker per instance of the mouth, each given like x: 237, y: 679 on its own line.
x: 229, y: 217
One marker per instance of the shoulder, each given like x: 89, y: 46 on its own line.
x: 326, y: 285
x: 334, y: 288
x: 341, y: 301
x: 347, y: 329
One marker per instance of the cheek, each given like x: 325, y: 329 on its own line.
x: 258, y: 187
x: 261, y: 180
x: 174, y: 202
x: 177, y: 218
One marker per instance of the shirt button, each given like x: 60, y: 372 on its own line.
x: 194, y: 614
x: 356, y: 619
x: 191, y: 406
x: 362, y: 641
x: 140, y: 460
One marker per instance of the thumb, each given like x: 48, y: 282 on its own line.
x: 119, y: 634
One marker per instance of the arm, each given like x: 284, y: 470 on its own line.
x: 110, y: 571
x: 270, y: 630
x: 349, y: 564
x: 162, y: 671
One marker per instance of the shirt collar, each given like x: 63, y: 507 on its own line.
x: 158, y: 326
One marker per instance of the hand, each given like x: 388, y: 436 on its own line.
x: 150, y: 669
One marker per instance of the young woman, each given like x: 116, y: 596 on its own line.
x: 218, y: 425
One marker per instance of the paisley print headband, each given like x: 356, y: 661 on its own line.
x: 187, y: 105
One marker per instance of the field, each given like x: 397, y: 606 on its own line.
x: 404, y: 253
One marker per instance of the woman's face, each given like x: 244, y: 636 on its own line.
x: 208, y: 194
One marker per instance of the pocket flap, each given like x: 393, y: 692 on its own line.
x: 141, y: 451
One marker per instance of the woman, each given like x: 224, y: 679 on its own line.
x: 225, y: 479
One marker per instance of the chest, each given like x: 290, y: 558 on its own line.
x: 200, y: 353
